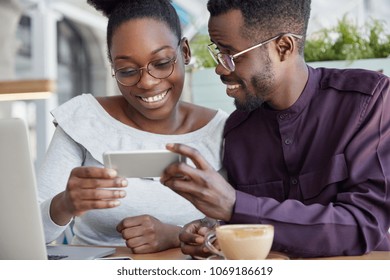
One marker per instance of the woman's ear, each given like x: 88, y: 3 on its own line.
x: 185, y: 50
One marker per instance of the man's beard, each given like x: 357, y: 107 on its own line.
x: 251, y: 103
x: 261, y: 84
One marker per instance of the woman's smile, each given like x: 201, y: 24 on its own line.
x: 154, y: 98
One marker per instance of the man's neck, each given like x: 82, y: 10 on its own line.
x: 291, y: 88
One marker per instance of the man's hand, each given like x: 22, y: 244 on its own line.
x: 202, y: 186
x: 193, y: 235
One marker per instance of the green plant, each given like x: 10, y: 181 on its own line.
x: 345, y: 41
x: 199, y: 51
x: 348, y: 41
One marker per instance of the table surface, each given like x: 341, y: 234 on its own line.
x: 176, y: 254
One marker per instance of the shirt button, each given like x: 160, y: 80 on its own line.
x: 283, y: 116
x: 294, y: 181
x: 288, y: 141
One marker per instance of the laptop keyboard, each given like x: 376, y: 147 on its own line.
x: 56, y: 257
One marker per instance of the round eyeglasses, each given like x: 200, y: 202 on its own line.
x: 159, y: 69
x: 227, y: 60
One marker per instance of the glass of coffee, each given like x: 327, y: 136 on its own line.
x: 241, y: 241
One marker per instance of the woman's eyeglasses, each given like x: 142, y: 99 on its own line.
x: 159, y: 69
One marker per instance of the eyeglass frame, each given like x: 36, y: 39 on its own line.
x: 218, y: 56
x: 139, y: 70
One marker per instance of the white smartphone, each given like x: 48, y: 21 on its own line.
x: 140, y: 163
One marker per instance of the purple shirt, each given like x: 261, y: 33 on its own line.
x: 320, y: 170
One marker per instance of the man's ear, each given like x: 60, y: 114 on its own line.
x: 285, y: 47
x: 185, y: 50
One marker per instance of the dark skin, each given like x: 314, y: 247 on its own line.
x: 134, y: 44
x: 275, y: 74
x: 194, y: 117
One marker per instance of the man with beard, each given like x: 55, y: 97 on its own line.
x: 308, y: 150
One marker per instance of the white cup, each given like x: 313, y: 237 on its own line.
x: 241, y: 241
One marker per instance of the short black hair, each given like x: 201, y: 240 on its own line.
x: 120, y: 11
x: 268, y: 17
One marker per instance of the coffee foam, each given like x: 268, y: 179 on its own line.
x: 245, y: 232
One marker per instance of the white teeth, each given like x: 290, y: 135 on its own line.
x: 233, y: 86
x: 155, y: 98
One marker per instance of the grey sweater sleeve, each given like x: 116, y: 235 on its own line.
x: 61, y: 157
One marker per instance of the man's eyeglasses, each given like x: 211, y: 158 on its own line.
x: 159, y: 69
x: 227, y: 60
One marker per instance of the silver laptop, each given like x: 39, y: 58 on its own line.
x: 21, y: 228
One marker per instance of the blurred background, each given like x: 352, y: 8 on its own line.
x: 63, y: 41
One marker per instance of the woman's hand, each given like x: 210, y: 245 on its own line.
x: 146, y: 234
x: 87, y: 188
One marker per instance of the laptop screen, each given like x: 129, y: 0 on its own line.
x: 21, y: 234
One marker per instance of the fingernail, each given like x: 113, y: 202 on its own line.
x: 124, y: 183
x: 170, y: 145
x: 114, y: 203
x: 121, y: 193
x: 121, y: 182
x: 112, y: 173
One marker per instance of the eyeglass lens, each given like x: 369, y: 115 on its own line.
x: 227, y: 61
x: 160, y: 69
x: 221, y: 58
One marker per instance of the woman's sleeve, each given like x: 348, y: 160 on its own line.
x: 62, y: 156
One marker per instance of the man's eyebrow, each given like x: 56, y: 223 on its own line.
x: 225, y: 46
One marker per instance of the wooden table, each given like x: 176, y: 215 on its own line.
x: 176, y: 254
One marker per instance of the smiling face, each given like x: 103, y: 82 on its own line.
x: 252, y: 82
x: 137, y: 42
